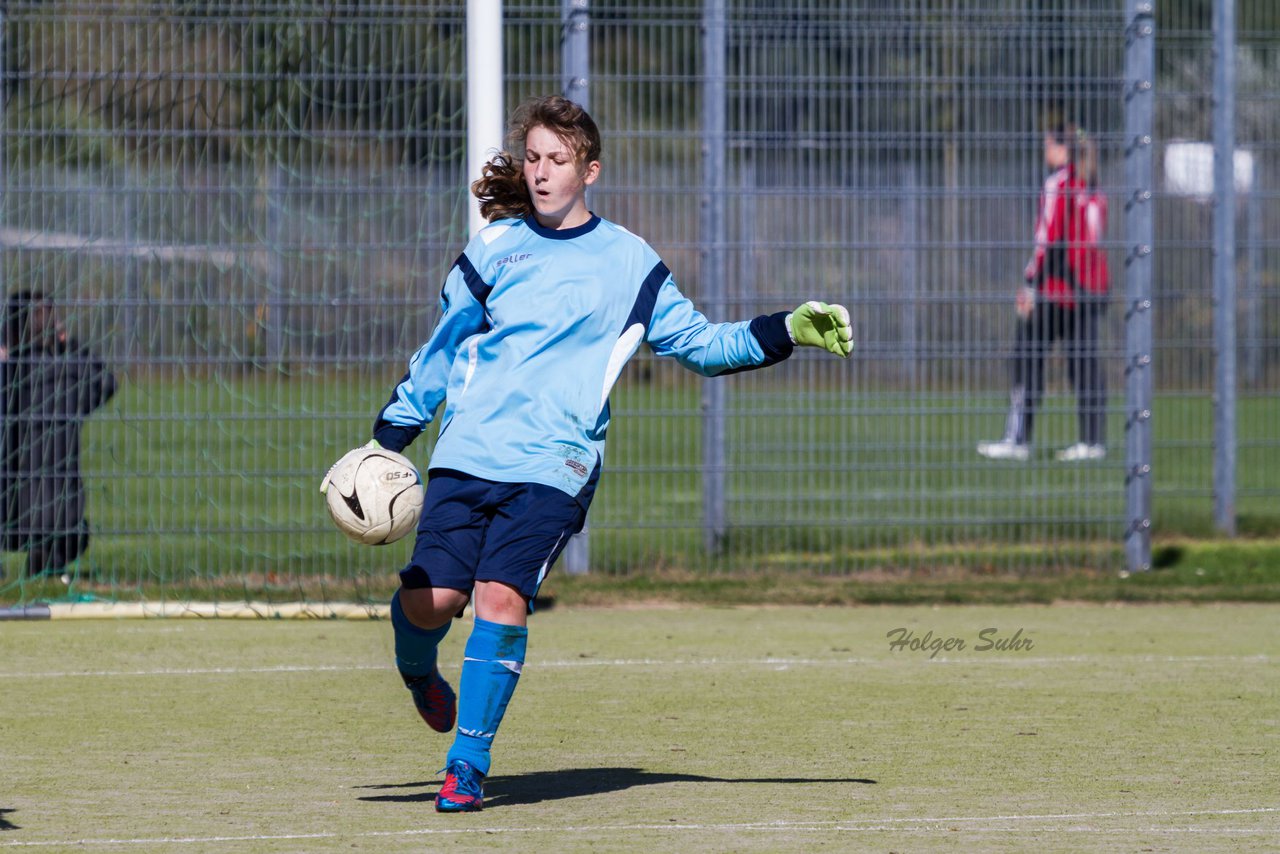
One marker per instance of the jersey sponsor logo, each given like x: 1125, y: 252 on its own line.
x: 578, y: 468
x: 511, y: 259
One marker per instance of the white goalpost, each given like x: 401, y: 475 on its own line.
x: 485, y: 109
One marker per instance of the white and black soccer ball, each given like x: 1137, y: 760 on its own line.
x: 374, y: 495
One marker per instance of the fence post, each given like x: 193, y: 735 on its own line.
x: 1139, y: 116
x: 1224, y: 264
x: 909, y: 214
x: 1254, y: 260
x: 575, y: 50
x: 714, y: 392
x: 276, y: 302
x: 126, y: 344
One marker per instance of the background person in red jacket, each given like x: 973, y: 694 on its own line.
x: 1064, y: 299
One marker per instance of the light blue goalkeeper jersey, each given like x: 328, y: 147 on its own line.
x: 537, y: 324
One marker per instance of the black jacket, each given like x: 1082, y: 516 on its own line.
x: 47, y: 394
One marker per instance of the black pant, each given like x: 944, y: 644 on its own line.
x: 44, y: 517
x: 1077, y: 329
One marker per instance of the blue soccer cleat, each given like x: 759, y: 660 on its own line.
x: 462, y: 790
x: 434, y: 699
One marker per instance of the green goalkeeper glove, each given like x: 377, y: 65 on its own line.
x: 816, y: 324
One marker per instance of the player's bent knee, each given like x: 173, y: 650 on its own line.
x: 431, y: 607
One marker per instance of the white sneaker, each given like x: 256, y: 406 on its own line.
x: 1004, y: 450
x: 1079, y: 452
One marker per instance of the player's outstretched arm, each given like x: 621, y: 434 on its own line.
x: 816, y: 324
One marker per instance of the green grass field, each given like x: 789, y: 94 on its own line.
x: 1137, y: 728
x: 211, y: 485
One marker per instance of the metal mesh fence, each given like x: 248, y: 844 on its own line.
x: 1187, y: 349
x: 248, y: 209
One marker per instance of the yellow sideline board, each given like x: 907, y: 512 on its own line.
x: 207, y: 610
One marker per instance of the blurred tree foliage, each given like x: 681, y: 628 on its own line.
x: 232, y: 79
x: 220, y: 80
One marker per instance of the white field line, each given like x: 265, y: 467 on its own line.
x: 1019, y: 825
x: 776, y: 662
x: 198, y: 671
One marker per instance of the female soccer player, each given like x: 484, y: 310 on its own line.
x: 540, y: 313
x: 1064, y: 298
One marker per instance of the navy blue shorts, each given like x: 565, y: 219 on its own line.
x: 474, y: 529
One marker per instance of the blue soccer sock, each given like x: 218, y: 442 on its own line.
x: 490, y: 671
x: 415, y: 646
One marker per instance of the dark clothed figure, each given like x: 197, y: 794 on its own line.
x: 50, y: 386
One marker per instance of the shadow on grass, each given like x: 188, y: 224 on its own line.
x: 577, y: 782
x: 5, y: 824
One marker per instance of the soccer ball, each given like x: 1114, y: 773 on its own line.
x: 374, y: 495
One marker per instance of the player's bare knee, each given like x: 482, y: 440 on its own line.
x: 431, y: 607
x: 501, y: 603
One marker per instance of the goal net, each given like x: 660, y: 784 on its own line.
x: 242, y: 210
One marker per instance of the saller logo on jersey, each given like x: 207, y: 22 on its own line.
x: 511, y: 259
x: 578, y: 468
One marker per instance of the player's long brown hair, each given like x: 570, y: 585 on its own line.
x: 501, y: 188
x: 1082, y: 151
